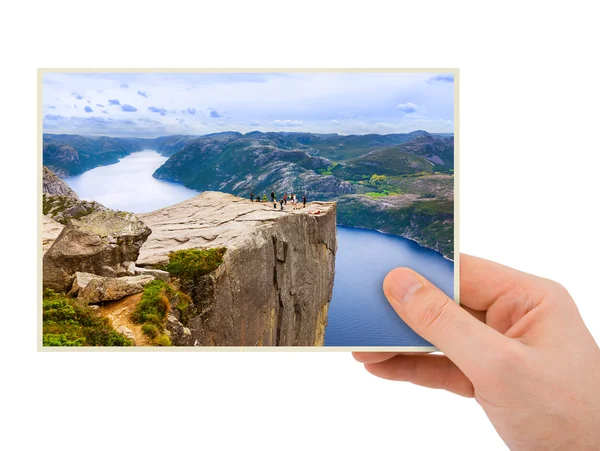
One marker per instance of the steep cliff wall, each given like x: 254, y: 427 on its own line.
x: 53, y: 184
x: 276, y: 280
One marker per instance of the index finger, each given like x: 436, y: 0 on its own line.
x: 483, y: 282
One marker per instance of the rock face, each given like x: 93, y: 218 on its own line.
x: 53, y: 184
x: 276, y: 280
x: 104, y: 243
x: 50, y: 231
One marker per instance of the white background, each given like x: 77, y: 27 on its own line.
x: 529, y: 160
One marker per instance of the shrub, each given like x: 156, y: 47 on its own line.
x: 152, y: 310
x: 164, y: 340
x: 193, y: 263
x: 154, y: 306
x: 150, y: 329
x: 65, y: 322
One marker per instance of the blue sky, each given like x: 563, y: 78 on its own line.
x: 156, y: 104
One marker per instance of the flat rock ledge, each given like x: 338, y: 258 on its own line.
x: 275, y: 283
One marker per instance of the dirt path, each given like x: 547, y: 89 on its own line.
x: 119, y: 313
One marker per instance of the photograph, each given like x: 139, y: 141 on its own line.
x: 242, y: 209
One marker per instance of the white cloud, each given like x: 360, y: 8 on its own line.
x: 287, y: 123
x: 358, y: 102
x: 408, y: 107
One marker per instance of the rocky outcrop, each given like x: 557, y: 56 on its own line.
x: 50, y: 231
x: 101, y: 289
x: 158, y: 274
x: 53, y: 184
x: 104, y: 243
x: 275, y: 282
x: 63, y: 208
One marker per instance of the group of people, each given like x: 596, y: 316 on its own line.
x: 283, y: 200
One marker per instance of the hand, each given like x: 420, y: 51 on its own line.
x: 517, y: 344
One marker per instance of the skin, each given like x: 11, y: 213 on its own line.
x: 517, y: 344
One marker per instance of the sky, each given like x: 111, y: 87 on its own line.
x: 157, y: 104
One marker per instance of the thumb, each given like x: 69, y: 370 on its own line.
x: 466, y: 341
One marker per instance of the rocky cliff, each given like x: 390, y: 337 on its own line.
x: 53, y: 184
x: 275, y: 281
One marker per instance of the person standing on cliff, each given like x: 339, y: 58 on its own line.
x: 304, y: 200
x: 251, y: 196
x: 264, y: 198
x: 273, y: 196
x: 281, y: 201
x: 285, y: 199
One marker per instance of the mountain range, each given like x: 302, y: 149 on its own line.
x: 396, y: 183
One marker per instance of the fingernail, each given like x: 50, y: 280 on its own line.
x: 402, y: 284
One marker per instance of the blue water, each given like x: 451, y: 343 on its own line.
x: 129, y: 186
x: 359, y: 314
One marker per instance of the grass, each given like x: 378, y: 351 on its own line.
x: 151, y: 312
x: 383, y: 193
x: 192, y: 263
x: 68, y: 323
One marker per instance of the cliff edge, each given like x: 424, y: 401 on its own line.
x: 275, y: 282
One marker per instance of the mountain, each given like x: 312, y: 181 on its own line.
x: 169, y: 145
x: 68, y: 155
x: 405, y: 188
x: 239, y: 165
x: 424, y: 153
x: 397, y: 183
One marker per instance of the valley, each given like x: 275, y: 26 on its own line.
x: 398, y: 183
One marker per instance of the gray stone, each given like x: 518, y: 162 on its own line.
x: 126, y: 331
x: 179, y: 335
x: 100, y: 289
x: 156, y: 273
x: 79, y: 281
x: 64, y: 208
x: 53, y: 184
x: 50, y: 231
x: 102, y: 243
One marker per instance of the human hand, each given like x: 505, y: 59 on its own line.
x: 517, y: 344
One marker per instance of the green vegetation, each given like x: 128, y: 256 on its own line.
x: 68, y: 323
x: 192, y: 263
x: 54, y: 204
x: 154, y: 306
x: 57, y: 206
x: 151, y: 312
x: 384, y: 193
x: 431, y: 222
x: 377, y: 180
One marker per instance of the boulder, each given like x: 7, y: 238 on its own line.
x: 79, y: 281
x: 104, y: 243
x: 100, y: 289
x: 50, y: 231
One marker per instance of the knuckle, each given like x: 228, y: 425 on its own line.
x: 511, y: 355
x: 434, y: 312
